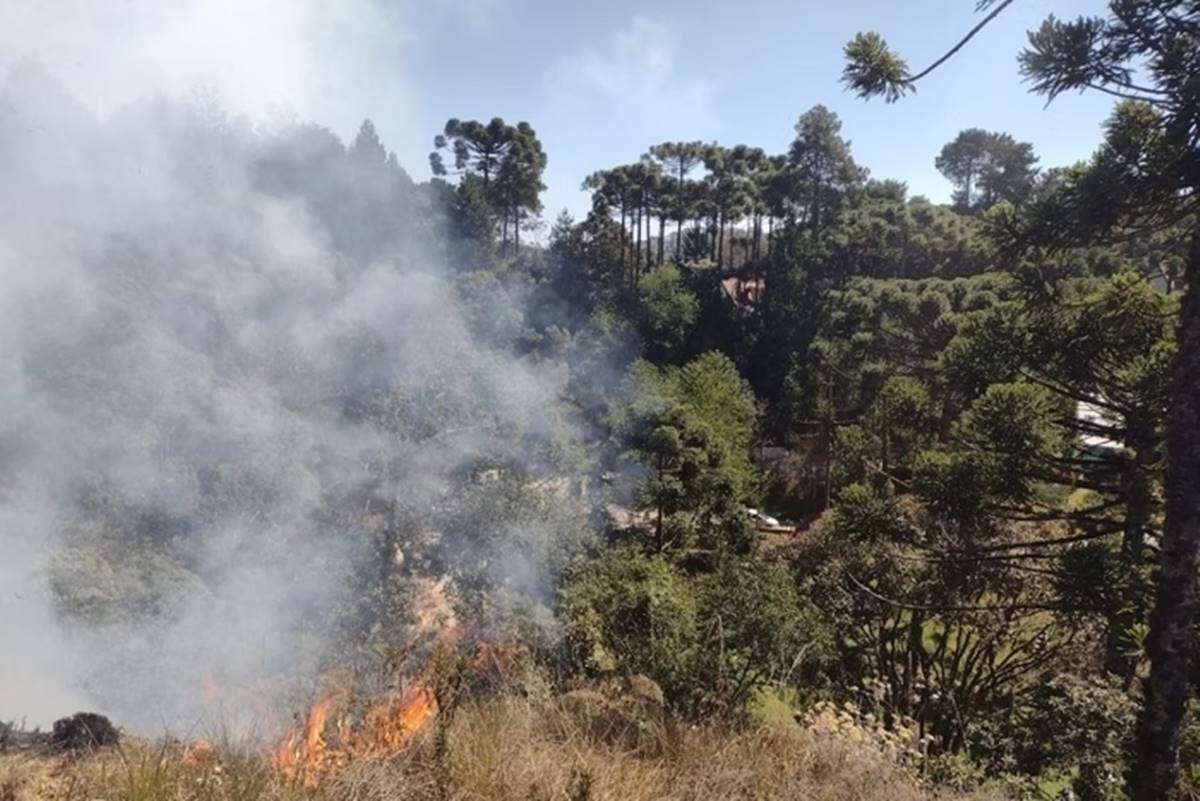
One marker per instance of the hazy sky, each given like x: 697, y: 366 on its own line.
x: 600, y: 81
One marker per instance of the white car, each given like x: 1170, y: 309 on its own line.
x: 764, y: 522
x: 759, y: 517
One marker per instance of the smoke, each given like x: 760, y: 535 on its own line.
x: 327, y: 61
x: 222, y: 347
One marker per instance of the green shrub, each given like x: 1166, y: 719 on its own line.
x: 755, y: 630
x: 628, y: 612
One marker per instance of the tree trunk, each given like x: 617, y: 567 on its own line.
x: 662, y: 231
x: 815, y: 209
x: 637, y: 253
x: 649, y: 213
x: 721, y: 239
x: 517, y: 232
x: 828, y: 441
x: 1131, y: 592
x: 679, y: 227
x: 649, y: 237
x: 658, y: 523
x: 1170, y: 644
x: 625, y: 269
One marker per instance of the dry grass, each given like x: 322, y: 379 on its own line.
x: 499, y: 749
x: 142, y: 771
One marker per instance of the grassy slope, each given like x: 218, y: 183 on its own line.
x: 501, y: 748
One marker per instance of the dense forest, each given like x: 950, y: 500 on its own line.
x: 567, y: 440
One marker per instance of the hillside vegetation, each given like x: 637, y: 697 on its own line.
x: 390, y: 483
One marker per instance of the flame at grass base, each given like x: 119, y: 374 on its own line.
x: 307, y: 755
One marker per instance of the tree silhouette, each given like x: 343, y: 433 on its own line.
x: 1146, y: 177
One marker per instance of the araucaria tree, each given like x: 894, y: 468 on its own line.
x: 986, y: 168
x: 821, y: 169
x: 677, y: 160
x: 506, y: 160
x: 1145, y: 178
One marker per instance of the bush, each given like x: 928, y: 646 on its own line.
x: 711, y: 644
x: 96, y: 587
x: 756, y: 629
x: 1078, y: 725
x: 628, y: 612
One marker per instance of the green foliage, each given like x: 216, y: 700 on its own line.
x: 506, y: 160
x: 1090, y: 576
x: 688, y: 486
x: 822, y: 171
x: 1079, y: 725
x: 989, y: 346
x: 666, y: 313
x: 923, y: 637
x: 873, y: 69
x: 469, y: 225
x: 987, y: 168
x: 875, y: 331
x: 629, y: 612
x: 862, y: 514
x: 691, y: 430
x: 853, y: 460
x: 490, y: 310
x: 712, y: 643
x: 1016, y: 425
x: 954, y: 484
x: 787, y: 323
x: 587, y: 259
x: 899, y: 414
x: 984, y: 531
x: 597, y: 359
x: 713, y: 391
x: 882, y: 236
x: 755, y: 629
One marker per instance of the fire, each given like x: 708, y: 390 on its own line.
x: 389, y: 726
x: 319, y: 748
x: 324, y: 744
x: 300, y: 755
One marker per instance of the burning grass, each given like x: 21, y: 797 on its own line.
x: 324, y: 746
x: 502, y: 747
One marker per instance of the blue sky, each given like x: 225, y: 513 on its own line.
x: 599, y: 81
x: 602, y: 81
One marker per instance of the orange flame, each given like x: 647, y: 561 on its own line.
x: 300, y: 755
x: 389, y: 727
x: 305, y: 756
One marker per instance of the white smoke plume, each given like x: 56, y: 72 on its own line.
x: 213, y: 332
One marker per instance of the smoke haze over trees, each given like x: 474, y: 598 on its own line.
x: 762, y: 440
x: 201, y: 336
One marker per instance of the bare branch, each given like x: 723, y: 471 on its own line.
x: 970, y: 35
